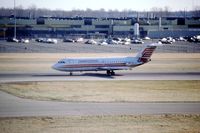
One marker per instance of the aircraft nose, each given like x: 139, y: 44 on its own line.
x: 55, y: 66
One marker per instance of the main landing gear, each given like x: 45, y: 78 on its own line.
x: 110, y: 72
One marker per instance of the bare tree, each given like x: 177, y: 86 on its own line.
x: 166, y: 11
x: 158, y: 12
x: 196, y: 11
x: 32, y: 11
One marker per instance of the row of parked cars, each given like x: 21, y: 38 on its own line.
x: 170, y: 40
x: 193, y: 39
x: 42, y: 40
x: 18, y: 40
x: 114, y: 40
x: 46, y: 40
x: 122, y: 41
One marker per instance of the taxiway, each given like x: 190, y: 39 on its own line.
x: 11, y: 106
x: 17, y: 77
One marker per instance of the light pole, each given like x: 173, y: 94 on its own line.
x: 14, y: 20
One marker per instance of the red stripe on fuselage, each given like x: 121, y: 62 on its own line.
x: 94, y: 65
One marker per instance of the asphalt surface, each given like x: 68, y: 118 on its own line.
x: 62, y: 76
x: 63, y: 47
x: 11, y: 106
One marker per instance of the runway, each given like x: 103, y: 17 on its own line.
x: 11, y: 106
x: 62, y: 76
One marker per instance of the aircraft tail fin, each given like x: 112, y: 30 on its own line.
x: 144, y: 56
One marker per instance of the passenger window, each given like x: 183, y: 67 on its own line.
x: 61, y: 62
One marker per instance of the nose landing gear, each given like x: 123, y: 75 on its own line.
x: 110, y: 72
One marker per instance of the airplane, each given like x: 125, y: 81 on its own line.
x: 106, y: 64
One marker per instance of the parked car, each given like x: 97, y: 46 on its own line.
x: 12, y: 40
x: 40, y: 40
x: 68, y: 40
x: 137, y: 41
x: 79, y: 39
x: 126, y: 43
x: 147, y: 38
x: 168, y: 40
x: 46, y: 40
x: 111, y: 41
x: 181, y: 39
x: 50, y: 40
x: 197, y: 38
x: 24, y: 40
x: 103, y: 42
x: 91, y: 41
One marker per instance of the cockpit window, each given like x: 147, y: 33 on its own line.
x: 61, y: 62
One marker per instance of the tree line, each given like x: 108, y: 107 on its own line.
x: 34, y: 12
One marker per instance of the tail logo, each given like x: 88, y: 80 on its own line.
x: 146, y: 54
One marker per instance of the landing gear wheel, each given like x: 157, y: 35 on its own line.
x: 112, y: 73
x: 70, y: 73
x: 109, y: 73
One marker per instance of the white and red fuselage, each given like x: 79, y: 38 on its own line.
x: 105, y: 64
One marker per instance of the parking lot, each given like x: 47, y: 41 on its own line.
x: 81, y: 47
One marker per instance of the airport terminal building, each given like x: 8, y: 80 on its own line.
x: 98, y: 27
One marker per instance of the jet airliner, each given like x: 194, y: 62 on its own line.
x: 106, y: 64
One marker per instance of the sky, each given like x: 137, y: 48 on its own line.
x: 137, y: 5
